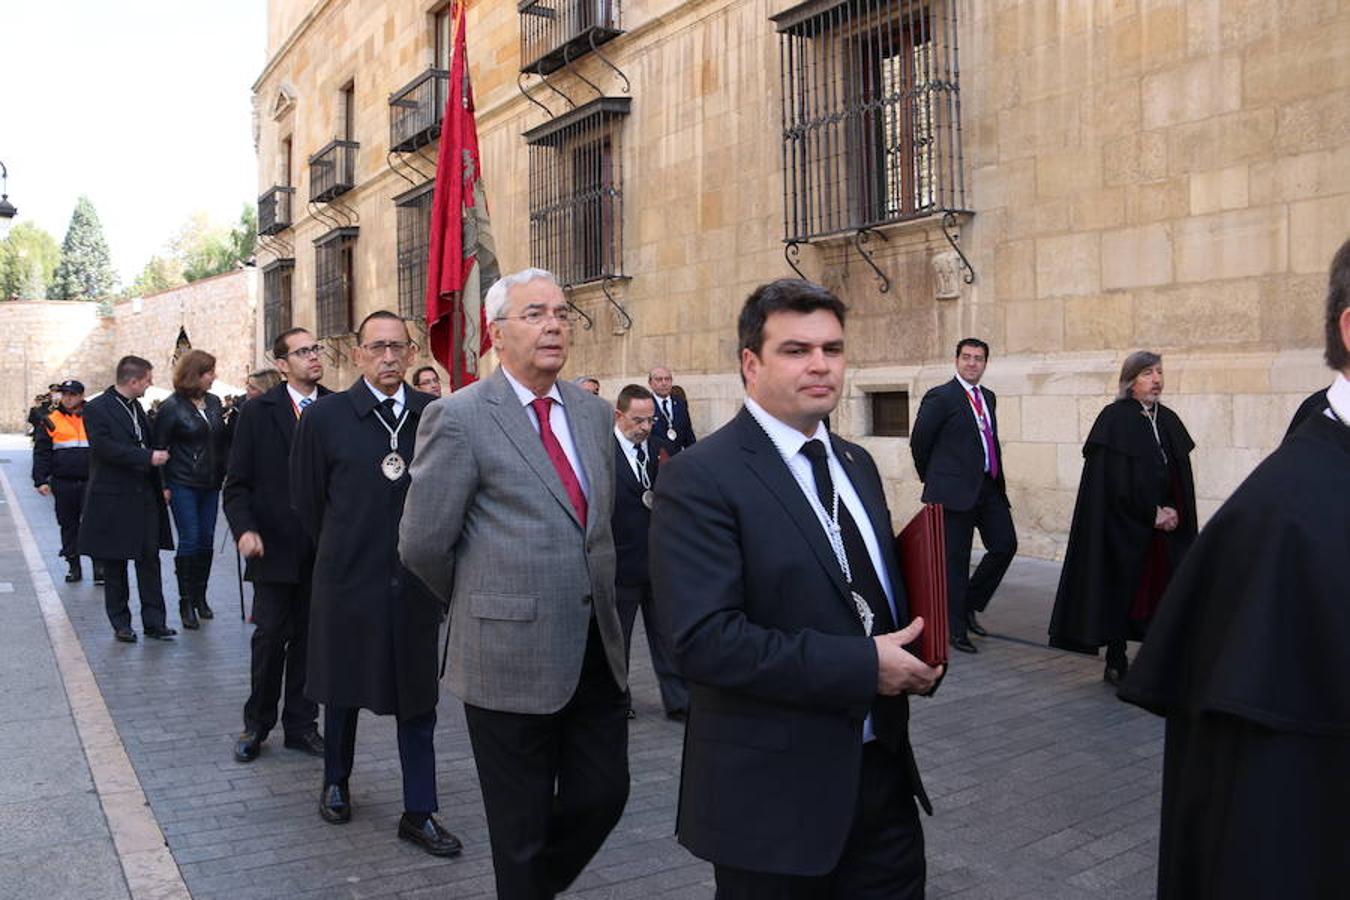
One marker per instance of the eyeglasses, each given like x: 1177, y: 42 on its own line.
x: 640, y: 420
x: 379, y: 348
x: 536, y: 317
x: 309, y: 352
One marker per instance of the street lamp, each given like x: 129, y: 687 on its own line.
x: 7, y: 210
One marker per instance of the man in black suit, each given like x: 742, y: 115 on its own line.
x: 636, y: 465
x: 772, y: 557
x: 125, y: 516
x: 960, y: 462
x: 672, y: 425
x: 257, y: 501
x: 373, y: 627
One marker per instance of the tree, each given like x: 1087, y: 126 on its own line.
x: 85, y: 271
x: 204, y: 250
x: 28, y: 259
x: 159, y: 274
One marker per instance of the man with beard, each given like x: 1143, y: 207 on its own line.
x: 280, y: 555
x: 372, y: 632
x: 1247, y: 660
x: 1133, y: 521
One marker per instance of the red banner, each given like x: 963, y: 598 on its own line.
x: 461, y: 261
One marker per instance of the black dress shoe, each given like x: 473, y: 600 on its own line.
x: 310, y: 742
x: 161, y: 634
x: 98, y: 574
x: 335, y: 804
x: 974, y: 627
x: 76, y: 572
x: 963, y: 644
x: 248, y: 745
x: 125, y: 635
x: 1113, y: 676
x: 431, y: 836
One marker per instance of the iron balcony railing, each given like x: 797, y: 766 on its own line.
x: 332, y: 170
x: 416, y: 109
x: 274, y: 210
x: 553, y: 33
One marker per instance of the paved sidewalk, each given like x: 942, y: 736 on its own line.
x: 1045, y: 785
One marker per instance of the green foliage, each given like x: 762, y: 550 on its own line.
x: 28, y: 259
x: 85, y: 271
x: 199, y: 250
x: 159, y: 274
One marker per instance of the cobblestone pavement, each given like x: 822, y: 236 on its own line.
x: 1044, y: 785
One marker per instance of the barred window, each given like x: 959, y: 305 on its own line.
x: 554, y: 33
x: 277, y: 277
x: 414, y: 236
x: 871, y: 114
x: 335, y: 281
x: 576, y: 192
x: 890, y: 413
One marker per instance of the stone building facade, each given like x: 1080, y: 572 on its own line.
x: 1162, y: 174
x: 48, y: 341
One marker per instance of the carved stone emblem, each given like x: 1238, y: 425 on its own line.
x: 947, y: 275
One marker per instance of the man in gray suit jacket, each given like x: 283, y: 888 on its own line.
x: 508, y: 520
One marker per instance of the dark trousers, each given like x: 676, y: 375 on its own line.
x: 117, y: 591
x: 554, y: 785
x: 674, y: 694
x: 991, y: 516
x: 280, y: 642
x: 416, y: 754
x: 69, y: 496
x: 883, y: 857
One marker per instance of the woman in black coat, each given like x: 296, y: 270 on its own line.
x: 191, y: 426
x: 1133, y: 521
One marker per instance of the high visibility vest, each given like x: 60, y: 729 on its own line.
x: 67, y: 431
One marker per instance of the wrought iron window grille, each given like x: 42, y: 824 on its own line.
x: 413, y: 210
x: 278, y: 276
x: 415, y: 111
x: 332, y: 171
x: 335, y: 281
x: 554, y: 33
x: 274, y: 209
x: 576, y: 193
x: 871, y: 113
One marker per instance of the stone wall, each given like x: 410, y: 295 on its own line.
x: 47, y: 341
x: 1168, y: 174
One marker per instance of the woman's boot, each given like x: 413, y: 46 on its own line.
x: 182, y: 567
x: 202, y: 573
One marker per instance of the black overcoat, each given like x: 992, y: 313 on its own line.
x: 1247, y: 659
x: 257, y: 495
x: 372, y: 626
x: 120, y: 479
x: 1124, y: 480
x: 631, y: 520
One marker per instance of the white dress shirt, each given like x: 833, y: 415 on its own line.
x: 381, y: 396
x: 1338, y: 399
x: 557, y: 420
x: 297, y: 398
x: 979, y: 426
x: 630, y: 453
x: 789, y: 442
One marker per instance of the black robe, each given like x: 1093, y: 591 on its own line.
x: 1312, y: 405
x: 1124, y: 481
x: 1247, y: 658
x: 372, y: 626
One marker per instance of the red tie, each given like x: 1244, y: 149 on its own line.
x: 986, y: 432
x: 559, y: 458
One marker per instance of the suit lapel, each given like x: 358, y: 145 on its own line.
x: 767, y: 465
x: 589, y: 453
x: 283, y: 415
x: 877, y: 515
x: 514, y: 422
x: 625, y: 472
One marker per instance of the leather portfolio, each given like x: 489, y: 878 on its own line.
x: 922, y: 548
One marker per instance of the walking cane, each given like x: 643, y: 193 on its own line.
x: 239, y: 571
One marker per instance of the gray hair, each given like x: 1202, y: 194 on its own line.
x: 582, y: 379
x: 1135, y: 363
x: 500, y: 292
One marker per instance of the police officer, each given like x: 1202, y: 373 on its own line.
x: 61, y: 469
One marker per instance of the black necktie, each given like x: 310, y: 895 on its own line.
x: 865, y: 580
x: 643, y: 477
x: 386, y: 411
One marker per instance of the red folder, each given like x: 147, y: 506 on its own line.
x: 922, y: 548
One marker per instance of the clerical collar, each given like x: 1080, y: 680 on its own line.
x: 1338, y: 398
